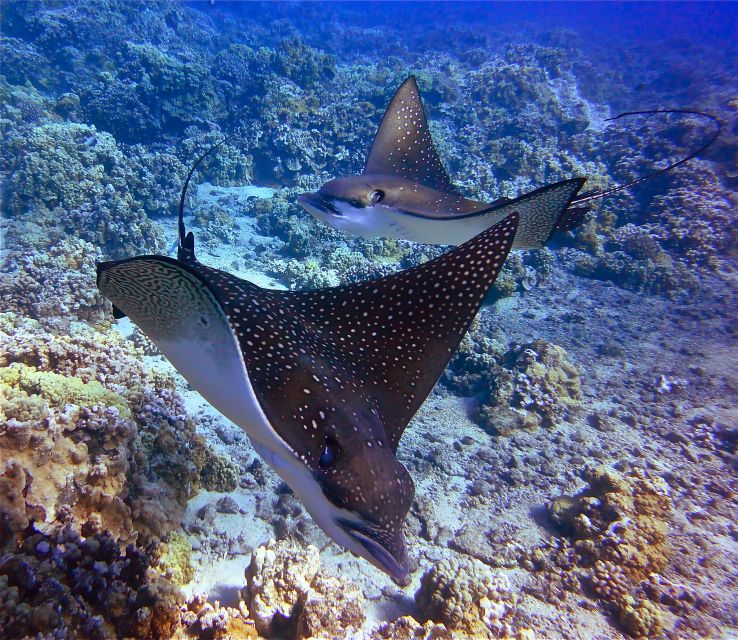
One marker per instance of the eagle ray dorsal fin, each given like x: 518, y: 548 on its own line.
x: 403, y: 145
x: 397, y: 334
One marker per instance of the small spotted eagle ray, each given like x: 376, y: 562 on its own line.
x: 324, y: 382
x: 405, y: 193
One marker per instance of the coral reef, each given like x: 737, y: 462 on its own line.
x: 216, y: 226
x: 90, y: 432
x: 617, y: 518
x: 211, y: 621
x: 219, y: 473
x: 170, y: 91
x: 408, y: 628
x: 54, y: 286
x: 103, y: 108
x: 303, y: 274
x: 81, y: 171
x: 618, y: 527
x: 657, y: 275
x: 331, y: 609
x: 278, y: 578
x: 695, y: 217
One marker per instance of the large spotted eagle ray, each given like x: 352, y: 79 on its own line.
x: 405, y: 193
x: 324, y: 382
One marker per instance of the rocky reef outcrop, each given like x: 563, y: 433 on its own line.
x: 616, y: 539
x: 289, y: 596
x: 521, y: 386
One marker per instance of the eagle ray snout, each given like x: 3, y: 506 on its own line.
x: 317, y: 201
x: 386, y: 547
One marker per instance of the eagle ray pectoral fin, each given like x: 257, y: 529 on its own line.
x: 540, y: 212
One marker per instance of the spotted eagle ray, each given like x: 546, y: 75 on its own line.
x: 405, y: 193
x: 324, y: 382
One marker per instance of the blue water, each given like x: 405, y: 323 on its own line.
x: 578, y: 450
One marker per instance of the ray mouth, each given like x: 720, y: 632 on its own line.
x: 318, y: 201
x: 397, y: 568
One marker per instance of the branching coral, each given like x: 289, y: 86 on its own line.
x: 63, y: 585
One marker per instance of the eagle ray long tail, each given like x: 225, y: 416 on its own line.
x: 186, y: 247
x: 596, y: 195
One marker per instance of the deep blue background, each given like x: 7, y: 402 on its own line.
x: 642, y: 22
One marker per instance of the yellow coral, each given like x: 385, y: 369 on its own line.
x: 173, y: 559
x: 60, y: 390
x: 17, y: 404
x: 641, y: 619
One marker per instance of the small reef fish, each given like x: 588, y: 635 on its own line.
x: 324, y: 382
x: 406, y: 194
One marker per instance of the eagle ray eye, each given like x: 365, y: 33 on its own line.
x: 330, y: 452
